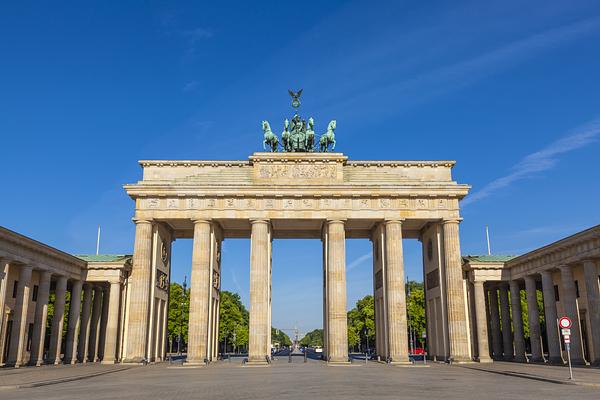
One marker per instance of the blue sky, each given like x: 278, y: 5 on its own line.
x: 509, y: 89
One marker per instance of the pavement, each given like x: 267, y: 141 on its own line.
x: 298, y: 380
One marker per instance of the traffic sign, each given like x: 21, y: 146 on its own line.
x: 564, y: 322
x: 565, y: 331
x: 567, y: 339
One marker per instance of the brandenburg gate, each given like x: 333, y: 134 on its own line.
x: 298, y: 193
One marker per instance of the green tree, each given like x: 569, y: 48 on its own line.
x: 313, y: 338
x: 525, y: 313
x: 179, y: 307
x: 278, y: 336
x: 233, y: 321
x: 361, y: 323
x: 415, y: 307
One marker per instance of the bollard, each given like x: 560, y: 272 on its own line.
x: 305, y: 355
x: 366, y: 358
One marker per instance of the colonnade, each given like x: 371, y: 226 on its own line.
x: 559, y: 288
x: 92, y: 323
x: 203, y: 320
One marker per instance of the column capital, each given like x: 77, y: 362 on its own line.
x: 45, y: 274
x: 260, y: 221
x: 589, y: 260
x: 141, y: 220
x: 393, y: 221
x: 451, y: 221
x: 563, y: 267
x: 196, y: 221
x: 336, y: 221
x: 546, y: 272
x: 529, y: 278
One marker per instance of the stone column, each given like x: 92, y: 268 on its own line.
x: 517, y: 320
x: 481, y: 320
x: 569, y: 301
x: 259, y: 292
x: 395, y: 293
x: 456, y: 303
x: 554, y: 351
x: 199, y: 294
x: 39, y: 320
x: 74, y: 322
x: 95, y: 325
x: 4, y: 267
x: 112, y: 324
x: 507, y: 335
x: 337, y: 323
x: 139, y: 297
x: 103, y: 321
x: 84, y: 331
x: 533, y: 316
x: 58, y: 319
x: 592, y: 290
x: 19, y: 326
x: 495, y: 323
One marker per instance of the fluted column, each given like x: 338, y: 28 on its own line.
x: 58, y: 319
x: 4, y: 267
x: 19, y: 327
x: 112, y: 324
x: 495, y: 323
x: 592, y: 290
x: 395, y: 293
x: 336, y: 293
x: 456, y: 303
x: 103, y: 322
x: 517, y: 320
x: 554, y: 351
x: 507, y: 335
x: 39, y: 320
x: 84, y: 331
x: 481, y: 321
x: 74, y: 323
x: 139, y: 297
x: 259, y: 292
x: 569, y: 301
x: 533, y: 316
x: 199, y: 294
x: 95, y: 325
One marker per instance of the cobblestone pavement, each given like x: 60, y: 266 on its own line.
x: 299, y: 380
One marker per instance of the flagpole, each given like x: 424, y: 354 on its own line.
x: 98, y: 242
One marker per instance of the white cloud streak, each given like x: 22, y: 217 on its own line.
x: 358, y: 261
x: 539, y: 161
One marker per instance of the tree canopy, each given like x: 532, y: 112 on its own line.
x: 313, y: 338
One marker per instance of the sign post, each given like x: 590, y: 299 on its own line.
x: 565, y: 328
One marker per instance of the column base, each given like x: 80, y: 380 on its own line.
x: 134, y: 360
x: 520, y: 359
x: 461, y: 360
x: 256, y: 363
x: 338, y: 363
x: 537, y: 360
x: 107, y: 362
x: 71, y: 362
x: 195, y: 363
x: 555, y: 360
x: 485, y: 360
x: 401, y: 363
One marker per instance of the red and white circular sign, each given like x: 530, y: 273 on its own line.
x: 564, y: 322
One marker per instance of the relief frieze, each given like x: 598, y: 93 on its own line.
x: 309, y: 171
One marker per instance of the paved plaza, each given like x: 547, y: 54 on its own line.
x: 311, y: 380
